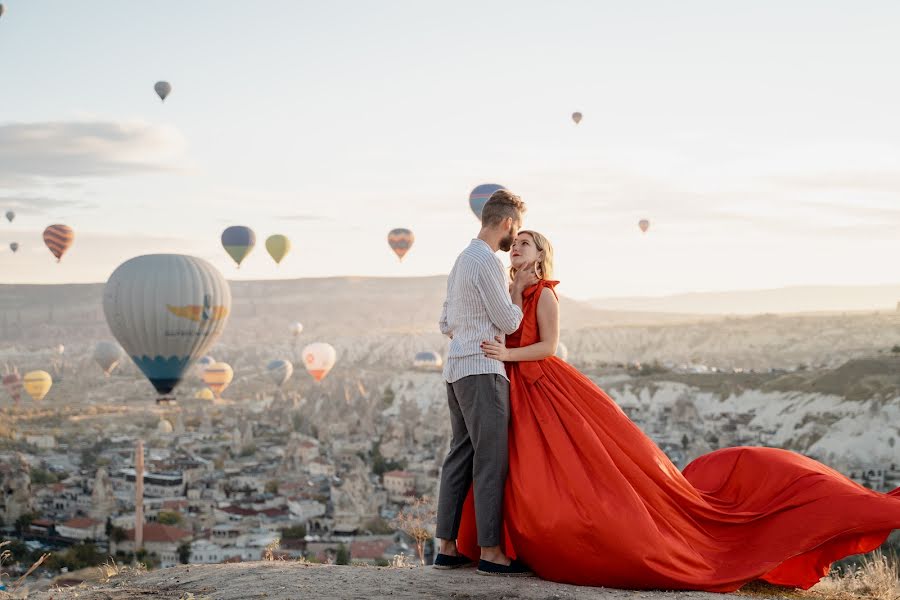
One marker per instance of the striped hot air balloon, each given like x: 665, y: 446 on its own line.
x: 278, y: 246
x: 401, y: 240
x: 280, y: 371
x: 37, y: 384
x: 238, y: 241
x: 319, y: 358
x: 166, y: 310
x: 217, y: 377
x: 13, y: 384
x: 59, y: 238
x: 480, y: 195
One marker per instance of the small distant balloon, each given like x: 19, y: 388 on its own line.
x: 217, y: 377
x: 562, y: 352
x: 319, y: 358
x: 163, y: 89
x: 278, y: 246
x: 205, y: 362
x: 14, y: 246
x: 401, y: 240
x: 480, y: 195
x: 107, y: 355
x: 427, y: 360
x: 644, y: 224
x: 37, y: 384
x: 280, y: 371
x: 238, y: 241
x: 60, y: 349
x: 205, y: 394
x: 2, y: 10
x: 296, y: 328
x: 576, y: 116
x: 10, y: 215
x: 58, y: 239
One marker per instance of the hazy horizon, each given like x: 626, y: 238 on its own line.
x: 760, y: 141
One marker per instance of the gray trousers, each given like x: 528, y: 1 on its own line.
x: 479, y: 417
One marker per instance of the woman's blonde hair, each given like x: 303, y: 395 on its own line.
x: 543, y: 267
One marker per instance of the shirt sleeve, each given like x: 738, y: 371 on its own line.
x: 493, y: 291
x: 445, y: 327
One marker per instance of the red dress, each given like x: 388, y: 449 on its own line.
x: 591, y: 500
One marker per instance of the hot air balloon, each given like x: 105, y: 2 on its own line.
x: 238, y: 241
x: 13, y: 384
x: 59, y: 238
x: 60, y: 349
x: 576, y: 116
x: 480, y: 195
x: 204, y: 362
x: 562, y: 352
x: 401, y: 240
x: 205, y: 394
x: 644, y: 224
x: 217, y: 377
x: 427, y: 360
x: 278, y: 246
x: 280, y: 371
x: 10, y: 215
x: 37, y: 384
x: 296, y: 329
x: 107, y: 355
x: 319, y: 358
x: 166, y: 310
x: 163, y: 89
x: 2, y: 10
x: 14, y: 246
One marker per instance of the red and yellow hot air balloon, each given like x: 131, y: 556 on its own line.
x: 217, y: 377
x: 319, y: 358
x: 59, y: 238
x: 644, y: 224
x: 401, y: 240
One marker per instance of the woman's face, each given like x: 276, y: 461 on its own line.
x: 523, y: 251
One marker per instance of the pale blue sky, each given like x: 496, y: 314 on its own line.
x: 761, y: 139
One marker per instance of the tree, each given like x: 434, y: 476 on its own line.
x: 184, y: 553
x: 417, y: 520
x: 167, y: 517
x: 118, y: 535
x: 294, y: 532
x: 42, y: 477
x: 343, y: 555
x: 685, y: 442
x: 388, y: 398
x: 272, y: 486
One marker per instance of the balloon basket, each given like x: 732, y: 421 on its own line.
x: 167, y: 401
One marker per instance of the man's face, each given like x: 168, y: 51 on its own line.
x: 507, y: 242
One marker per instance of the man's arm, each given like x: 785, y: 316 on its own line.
x: 445, y: 327
x: 493, y: 291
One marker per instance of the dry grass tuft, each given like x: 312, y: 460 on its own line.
x: 878, y: 577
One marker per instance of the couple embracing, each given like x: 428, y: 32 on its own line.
x: 547, y: 475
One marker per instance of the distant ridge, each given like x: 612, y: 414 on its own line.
x: 793, y: 299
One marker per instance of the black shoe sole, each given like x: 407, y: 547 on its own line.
x: 492, y: 574
x: 451, y: 567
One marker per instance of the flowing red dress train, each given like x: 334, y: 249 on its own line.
x: 591, y: 500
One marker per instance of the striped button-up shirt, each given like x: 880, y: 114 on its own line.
x: 477, y: 308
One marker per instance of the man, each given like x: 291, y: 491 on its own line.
x: 480, y: 306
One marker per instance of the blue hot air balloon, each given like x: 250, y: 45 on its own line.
x: 238, y: 241
x: 480, y: 195
x: 166, y: 310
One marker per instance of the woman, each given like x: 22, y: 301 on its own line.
x: 591, y: 500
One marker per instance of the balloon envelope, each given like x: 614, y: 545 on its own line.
x: 163, y: 89
x: 2, y: 10
x: 14, y: 246
x: 13, y: 384
x: 166, y: 310
x: 37, y: 384
x: 278, y: 246
x: 428, y: 360
x: 644, y: 224
x: 296, y: 328
x: 576, y: 116
x: 205, y: 394
x: 10, y: 215
x: 319, y: 358
x: 480, y: 195
x: 280, y: 371
x: 217, y: 377
x: 107, y: 355
x: 238, y: 241
x: 401, y: 240
x: 59, y: 238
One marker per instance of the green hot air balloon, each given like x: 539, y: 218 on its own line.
x: 278, y: 246
x: 238, y: 241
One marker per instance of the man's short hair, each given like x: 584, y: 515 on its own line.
x: 500, y: 205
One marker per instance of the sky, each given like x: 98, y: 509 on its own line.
x: 761, y: 139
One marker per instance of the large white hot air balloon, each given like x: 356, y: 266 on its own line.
x: 166, y: 310
x: 280, y: 371
x: 107, y: 356
x: 319, y: 358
